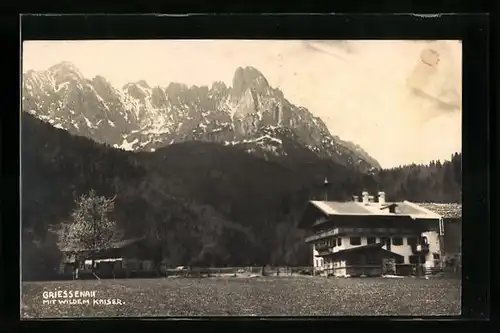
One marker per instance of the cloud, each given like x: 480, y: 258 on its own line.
x: 343, y: 45
x: 327, y: 47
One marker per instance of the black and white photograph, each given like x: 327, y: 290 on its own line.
x: 188, y: 178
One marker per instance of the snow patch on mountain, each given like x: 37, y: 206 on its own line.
x: 89, y: 123
x: 125, y: 145
x: 91, y: 87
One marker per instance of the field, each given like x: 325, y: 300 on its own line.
x: 258, y: 296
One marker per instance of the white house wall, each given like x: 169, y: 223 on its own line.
x: 318, y: 262
x: 434, y: 247
x: 404, y: 250
x: 340, y: 268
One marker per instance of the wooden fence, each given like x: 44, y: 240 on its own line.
x: 399, y: 269
x: 239, y: 271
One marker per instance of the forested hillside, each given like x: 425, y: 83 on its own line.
x: 197, y: 202
x: 434, y: 182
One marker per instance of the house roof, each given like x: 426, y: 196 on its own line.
x: 334, y: 208
x: 446, y: 210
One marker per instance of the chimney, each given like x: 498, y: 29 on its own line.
x: 381, y: 198
x: 326, y: 185
x: 355, y: 198
x: 365, y: 198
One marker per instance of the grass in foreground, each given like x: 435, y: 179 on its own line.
x: 262, y: 296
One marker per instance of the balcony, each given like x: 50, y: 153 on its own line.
x: 322, y: 235
x: 423, y: 248
x: 321, y: 247
x: 358, y: 231
x: 420, y: 248
x: 324, y: 252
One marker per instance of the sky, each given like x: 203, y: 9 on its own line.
x: 399, y: 100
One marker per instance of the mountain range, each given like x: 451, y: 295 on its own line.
x: 251, y: 115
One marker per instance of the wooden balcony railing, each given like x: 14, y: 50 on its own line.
x: 324, y: 252
x: 322, y: 235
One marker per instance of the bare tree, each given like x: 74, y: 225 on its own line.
x: 90, y: 230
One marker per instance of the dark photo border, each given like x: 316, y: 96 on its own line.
x: 472, y: 29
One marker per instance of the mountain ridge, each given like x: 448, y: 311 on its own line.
x: 144, y: 118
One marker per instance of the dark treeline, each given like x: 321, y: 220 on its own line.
x: 439, y: 182
x: 197, y: 203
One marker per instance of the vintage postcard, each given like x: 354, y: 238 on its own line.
x: 241, y: 178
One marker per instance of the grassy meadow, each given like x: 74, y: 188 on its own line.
x: 243, y: 296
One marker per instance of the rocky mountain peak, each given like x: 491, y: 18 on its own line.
x: 101, y: 85
x: 138, y: 90
x: 143, y: 84
x: 65, y: 72
x: 175, y: 88
x: 100, y: 79
x: 218, y: 86
x: 64, y: 65
x: 246, y: 78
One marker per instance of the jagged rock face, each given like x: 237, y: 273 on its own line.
x: 250, y: 114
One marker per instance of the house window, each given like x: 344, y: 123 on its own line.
x: 371, y: 240
x: 436, y: 256
x: 400, y: 260
x: 412, y: 241
x: 339, y: 241
x: 397, y: 241
x: 334, y: 241
x: 355, y: 240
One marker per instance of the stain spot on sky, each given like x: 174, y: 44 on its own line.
x: 324, y: 47
x: 429, y: 81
